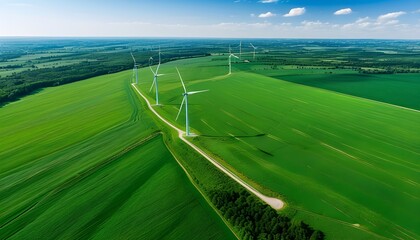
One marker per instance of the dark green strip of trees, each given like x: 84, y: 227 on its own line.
x: 255, y: 220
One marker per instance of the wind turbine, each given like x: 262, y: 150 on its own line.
x: 254, y: 49
x: 155, y: 78
x: 185, y: 100
x: 135, y: 69
x: 230, y: 62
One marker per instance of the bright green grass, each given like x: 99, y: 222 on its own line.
x: 398, y: 89
x: 338, y: 161
x: 84, y: 161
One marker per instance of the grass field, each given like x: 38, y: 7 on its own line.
x: 399, y: 89
x: 86, y: 161
x: 346, y: 165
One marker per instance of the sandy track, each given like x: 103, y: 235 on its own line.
x: 273, y: 202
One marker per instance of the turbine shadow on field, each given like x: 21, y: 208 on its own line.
x: 177, y: 104
x: 234, y: 136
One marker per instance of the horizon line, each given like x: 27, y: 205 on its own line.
x: 227, y: 38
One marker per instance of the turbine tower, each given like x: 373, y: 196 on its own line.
x: 230, y: 62
x: 254, y: 49
x: 135, y: 69
x: 155, y: 77
x: 185, y: 100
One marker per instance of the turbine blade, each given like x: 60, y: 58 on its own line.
x: 154, y: 80
x: 180, y: 108
x: 180, y: 77
x: 160, y: 75
x: 233, y: 55
x: 152, y: 70
x: 195, y: 92
x: 157, y: 69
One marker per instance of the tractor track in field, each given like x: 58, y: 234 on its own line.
x: 275, y: 203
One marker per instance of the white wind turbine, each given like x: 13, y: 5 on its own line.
x: 230, y: 62
x: 135, y: 69
x: 255, y: 48
x: 185, y: 100
x: 155, y: 77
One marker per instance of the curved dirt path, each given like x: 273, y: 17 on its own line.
x: 275, y: 203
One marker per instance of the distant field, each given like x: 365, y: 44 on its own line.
x: 84, y: 161
x: 36, y: 61
x: 346, y: 165
x: 398, y: 89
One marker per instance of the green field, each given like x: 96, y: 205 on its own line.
x: 85, y: 160
x: 346, y: 165
x: 397, y: 89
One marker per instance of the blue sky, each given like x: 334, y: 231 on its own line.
x: 216, y: 18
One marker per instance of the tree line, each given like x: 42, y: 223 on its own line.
x: 255, y: 220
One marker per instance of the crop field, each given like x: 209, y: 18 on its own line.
x: 86, y: 161
x: 328, y: 126
x: 399, y: 89
x: 344, y: 164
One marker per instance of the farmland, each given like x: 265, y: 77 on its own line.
x: 27, y: 65
x: 398, y: 89
x: 344, y: 164
x: 110, y: 176
x: 327, y: 126
x: 353, y: 67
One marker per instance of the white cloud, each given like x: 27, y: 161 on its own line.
x: 417, y: 11
x: 316, y: 26
x: 362, y: 20
x: 392, y: 22
x: 295, y: 12
x: 381, y: 22
x: 389, y: 18
x: 268, y: 1
x: 266, y: 15
x: 385, y: 21
x: 260, y: 25
x: 312, y: 23
x: 20, y: 5
x: 305, y: 29
x: 343, y: 11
